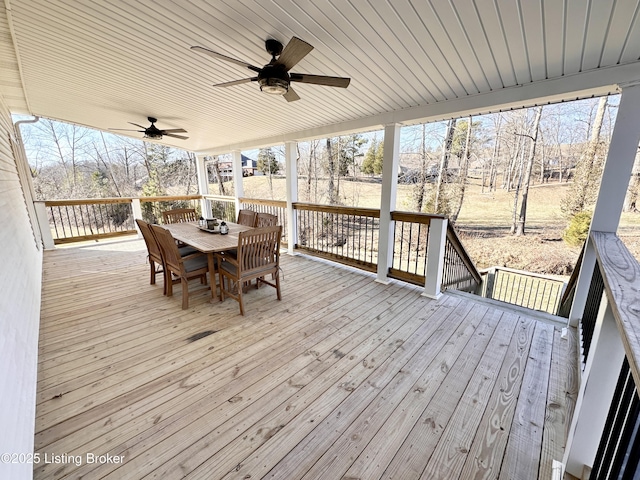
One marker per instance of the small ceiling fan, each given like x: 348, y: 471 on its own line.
x: 154, y: 132
x: 274, y: 77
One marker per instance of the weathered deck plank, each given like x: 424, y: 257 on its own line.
x: 344, y: 378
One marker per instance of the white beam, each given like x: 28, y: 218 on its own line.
x: 390, y: 163
x: 238, y: 185
x: 203, y: 185
x: 613, y: 187
x: 570, y: 87
x: 291, y: 167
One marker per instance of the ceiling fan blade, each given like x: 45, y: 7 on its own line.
x: 174, y: 130
x: 291, y: 95
x: 213, y: 54
x: 236, y: 82
x: 127, y: 130
x: 140, y: 126
x: 174, y: 136
x: 295, y: 51
x: 341, y: 82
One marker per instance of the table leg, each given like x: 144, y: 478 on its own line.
x: 212, y: 275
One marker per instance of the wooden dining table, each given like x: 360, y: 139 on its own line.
x: 206, y: 242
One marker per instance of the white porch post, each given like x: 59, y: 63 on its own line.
x: 596, y: 393
x: 203, y: 186
x: 136, y: 210
x: 43, y: 223
x: 238, y: 186
x: 613, y: 188
x: 435, y: 257
x: 391, y: 160
x: 291, y: 169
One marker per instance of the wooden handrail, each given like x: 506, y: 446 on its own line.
x: 414, y: 217
x: 574, y: 277
x: 452, y: 236
x: 169, y: 198
x: 364, y: 212
x: 261, y: 201
x: 86, y: 201
x: 621, y: 274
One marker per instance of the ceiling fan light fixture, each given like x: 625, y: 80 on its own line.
x: 274, y: 86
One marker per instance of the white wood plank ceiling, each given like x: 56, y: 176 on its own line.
x: 105, y: 63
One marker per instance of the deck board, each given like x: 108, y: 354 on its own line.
x: 344, y: 378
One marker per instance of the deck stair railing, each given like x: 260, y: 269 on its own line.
x: 604, y: 436
x: 525, y: 289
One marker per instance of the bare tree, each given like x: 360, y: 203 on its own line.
x: 444, y: 165
x: 519, y: 227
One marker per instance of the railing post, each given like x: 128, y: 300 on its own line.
x: 136, y: 209
x: 238, y: 185
x: 596, y: 393
x: 43, y: 224
x: 435, y: 257
x: 203, y: 186
x: 390, y: 163
x: 291, y: 166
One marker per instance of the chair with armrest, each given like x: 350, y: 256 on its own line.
x: 265, y: 220
x: 247, y: 218
x: 179, y: 215
x: 194, y: 265
x: 156, y: 263
x: 258, y: 255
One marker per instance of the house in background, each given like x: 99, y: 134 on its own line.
x: 409, y: 62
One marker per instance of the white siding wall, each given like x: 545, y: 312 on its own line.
x: 20, y: 280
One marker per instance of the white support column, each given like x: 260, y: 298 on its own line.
x: 435, y: 257
x: 596, y: 393
x: 136, y: 208
x: 613, y: 188
x: 43, y: 223
x: 238, y: 186
x: 203, y: 185
x: 291, y: 168
x: 391, y: 161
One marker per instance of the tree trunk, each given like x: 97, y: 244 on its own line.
x: 331, y: 170
x: 494, y: 157
x: 422, y: 181
x: 464, y: 168
x: 527, y: 174
x: 216, y: 173
x: 444, y: 163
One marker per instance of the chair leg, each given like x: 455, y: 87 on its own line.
x: 240, y: 298
x: 278, y: 285
x: 185, y: 293
x: 168, y: 281
x: 152, y: 265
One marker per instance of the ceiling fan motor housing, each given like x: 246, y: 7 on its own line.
x: 274, y: 79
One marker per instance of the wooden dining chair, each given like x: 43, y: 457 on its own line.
x: 185, y: 268
x: 156, y: 263
x: 258, y: 255
x: 179, y: 215
x: 247, y: 218
x: 265, y: 220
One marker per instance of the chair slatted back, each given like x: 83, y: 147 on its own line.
x: 259, y: 250
x: 179, y: 215
x: 150, y: 241
x: 266, y: 220
x: 168, y: 246
x: 247, y: 218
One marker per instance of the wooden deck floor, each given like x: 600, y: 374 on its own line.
x: 344, y: 378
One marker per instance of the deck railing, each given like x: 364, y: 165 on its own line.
x: 605, y: 432
x: 342, y: 234
x: 89, y: 219
x: 274, y: 207
x: 525, y: 289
